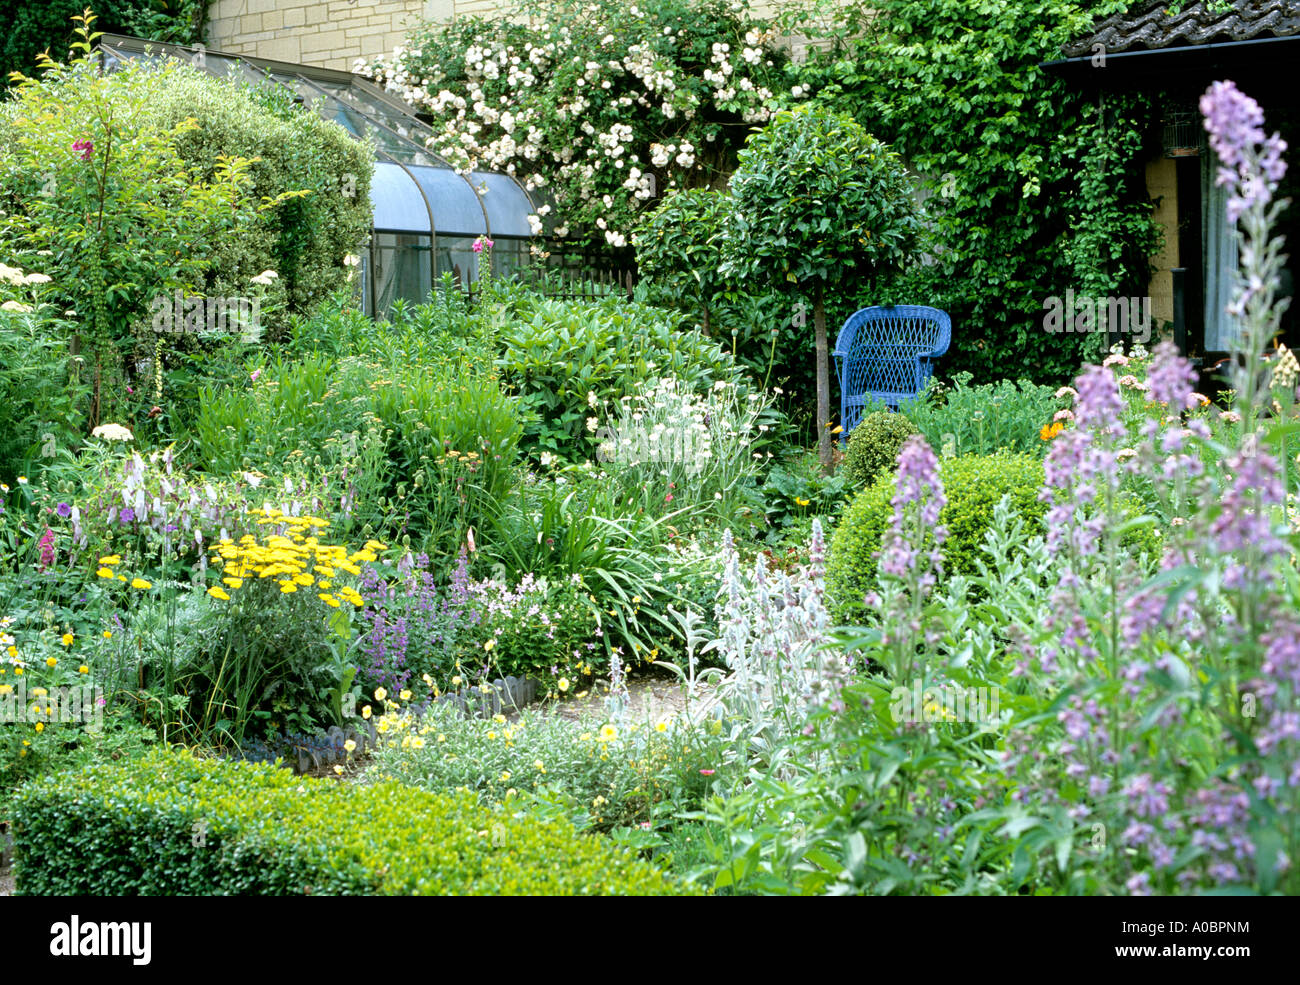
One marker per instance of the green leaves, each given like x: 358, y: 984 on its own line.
x: 827, y: 201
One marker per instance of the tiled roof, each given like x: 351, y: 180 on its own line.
x: 1149, y: 25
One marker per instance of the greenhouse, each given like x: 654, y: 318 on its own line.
x: 427, y: 216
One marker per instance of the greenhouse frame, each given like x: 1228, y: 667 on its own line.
x: 426, y: 215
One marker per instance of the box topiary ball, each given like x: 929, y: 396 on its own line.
x: 973, y: 485
x: 873, y: 447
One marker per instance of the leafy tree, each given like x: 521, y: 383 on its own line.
x: 818, y: 203
x: 1038, y: 182
x: 677, y: 248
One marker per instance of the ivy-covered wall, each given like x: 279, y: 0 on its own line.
x: 1037, y: 187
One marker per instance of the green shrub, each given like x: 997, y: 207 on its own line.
x: 306, y: 238
x: 555, y: 353
x: 973, y: 484
x: 170, y: 824
x: 72, y: 146
x: 873, y: 446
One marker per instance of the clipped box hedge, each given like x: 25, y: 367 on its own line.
x: 170, y: 824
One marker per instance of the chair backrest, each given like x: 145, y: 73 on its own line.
x: 888, y: 353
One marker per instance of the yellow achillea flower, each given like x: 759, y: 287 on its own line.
x: 111, y: 559
x: 140, y: 583
x: 328, y: 599
x: 232, y: 582
x: 287, y: 587
x: 217, y: 592
x: 105, y: 573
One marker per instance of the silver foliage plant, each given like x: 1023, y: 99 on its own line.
x: 775, y: 641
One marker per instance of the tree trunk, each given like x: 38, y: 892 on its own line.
x: 823, y: 383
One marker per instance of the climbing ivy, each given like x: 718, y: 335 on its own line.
x: 1034, y: 191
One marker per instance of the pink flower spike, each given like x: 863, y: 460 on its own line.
x: 706, y: 772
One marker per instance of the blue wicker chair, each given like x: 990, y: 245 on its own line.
x: 887, y: 354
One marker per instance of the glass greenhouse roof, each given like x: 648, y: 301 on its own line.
x: 414, y: 191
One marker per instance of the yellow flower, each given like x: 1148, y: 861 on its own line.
x: 607, y: 733
x: 67, y: 639
x: 51, y: 661
x: 380, y: 694
x: 108, y: 634
x: 801, y: 502
x: 232, y: 582
x: 338, y: 770
x: 105, y: 573
x: 40, y: 726
x: 83, y: 669
x: 491, y: 735
x: 661, y: 727
x: 417, y: 743
x: 328, y: 599
x: 505, y: 776
x: 111, y: 559
x: 217, y: 592
x: 304, y: 579
x: 404, y: 695
x: 6, y: 689
x: 562, y: 683
x: 455, y: 681
x: 287, y: 588
x: 441, y: 737
x: 140, y: 583
x: 489, y: 644
x: 539, y: 766
x: 350, y: 745
x: 365, y: 712
x: 598, y: 801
